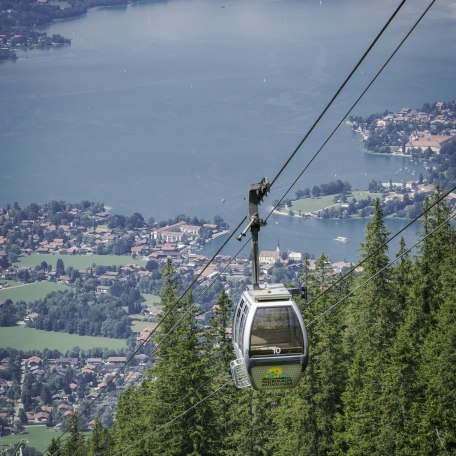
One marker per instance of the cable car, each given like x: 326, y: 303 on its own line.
x: 269, y: 339
x: 269, y: 334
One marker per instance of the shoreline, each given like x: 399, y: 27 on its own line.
x: 392, y: 154
x: 357, y: 217
x: 43, y: 29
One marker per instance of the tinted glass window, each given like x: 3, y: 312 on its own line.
x: 275, y: 330
x: 242, y: 328
x: 236, y: 321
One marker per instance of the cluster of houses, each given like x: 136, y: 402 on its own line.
x: 422, y: 139
x: 412, y: 188
x: 61, y: 405
x: 176, y: 241
x: 15, y: 38
x: 71, y: 239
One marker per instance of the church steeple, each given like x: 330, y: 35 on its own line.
x: 278, y: 246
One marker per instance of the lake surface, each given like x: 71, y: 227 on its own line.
x: 176, y: 107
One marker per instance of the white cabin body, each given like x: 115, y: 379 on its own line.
x: 269, y: 339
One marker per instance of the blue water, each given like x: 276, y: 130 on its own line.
x: 169, y: 108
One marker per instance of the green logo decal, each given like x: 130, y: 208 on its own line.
x: 275, y: 377
x: 275, y: 373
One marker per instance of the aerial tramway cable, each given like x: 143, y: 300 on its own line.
x: 352, y: 107
x: 339, y: 90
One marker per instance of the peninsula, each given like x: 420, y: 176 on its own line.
x: 427, y: 134
x: 20, y: 18
x: 397, y: 200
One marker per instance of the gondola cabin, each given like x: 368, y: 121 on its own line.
x: 269, y: 339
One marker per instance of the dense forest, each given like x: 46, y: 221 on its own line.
x: 380, y: 380
x: 83, y: 313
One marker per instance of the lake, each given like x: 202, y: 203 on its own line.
x: 176, y: 107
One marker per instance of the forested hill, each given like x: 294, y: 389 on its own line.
x: 380, y: 380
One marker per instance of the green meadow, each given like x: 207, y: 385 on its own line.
x: 30, y: 291
x: 138, y: 326
x: 38, y: 436
x: 78, y: 261
x: 151, y: 300
x: 22, y: 338
x: 139, y: 321
x: 318, y: 204
x: 60, y: 4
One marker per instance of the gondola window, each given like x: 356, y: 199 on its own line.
x: 275, y: 330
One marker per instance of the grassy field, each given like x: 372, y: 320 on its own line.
x: 22, y: 338
x: 312, y: 204
x: 78, y: 261
x: 9, y: 282
x: 138, y: 326
x: 318, y: 204
x: 138, y: 322
x: 151, y: 300
x: 30, y: 291
x: 359, y: 195
x: 60, y: 4
x: 38, y: 436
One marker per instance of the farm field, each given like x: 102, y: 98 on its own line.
x: 30, y: 291
x: 22, y: 338
x: 77, y: 261
x: 38, y: 436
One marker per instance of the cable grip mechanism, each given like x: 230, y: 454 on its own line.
x: 256, y: 194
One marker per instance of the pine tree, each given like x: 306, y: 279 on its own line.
x: 305, y: 417
x: 434, y: 418
x: 404, y: 395
x: 100, y: 442
x: 438, y: 372
x: 177, y: 382
x: 75, y: 444
x: 59, y: 268
x: 251, y: 423
x: 374, y: 312
x: 218, y: 354
x: 131, y: 419
x: 401, y: 281
x: 54, y: 448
